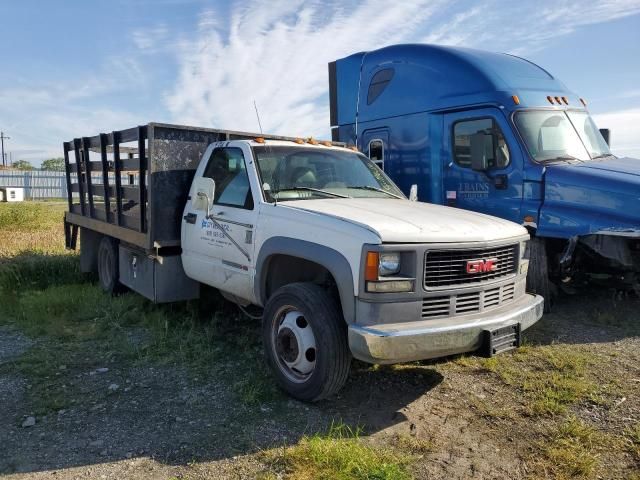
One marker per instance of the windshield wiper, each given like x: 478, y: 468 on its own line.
x: 374, y: 189
x: 309, y: 189
x: 566, y: 158
x: 602, y: 155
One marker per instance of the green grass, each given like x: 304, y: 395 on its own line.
x: 574, y: 449
x: 338, y: 454
x: 632, y: 436
x: 31, y: 227
x: 551, y: 378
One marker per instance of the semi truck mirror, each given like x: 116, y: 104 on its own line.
x: 413, y: 193
x: 477, y: 151
x: 606, y: 134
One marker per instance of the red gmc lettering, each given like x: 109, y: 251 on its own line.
x: 481, y: 266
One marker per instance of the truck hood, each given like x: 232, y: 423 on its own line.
x: 403, y: 221
x: 623, y: 166
x: 598, y: 196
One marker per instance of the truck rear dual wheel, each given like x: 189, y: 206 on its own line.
x: 538, y: 281
x: 108, y: 266
x: 305, y: 341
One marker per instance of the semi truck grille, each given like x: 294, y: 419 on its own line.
x: 444, y: 268
x: 467, y: 303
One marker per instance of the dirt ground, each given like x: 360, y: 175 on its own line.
x: 131, y: 421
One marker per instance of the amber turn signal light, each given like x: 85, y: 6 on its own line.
x: 371, y: 267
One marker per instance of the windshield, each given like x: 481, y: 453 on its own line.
x: 589, y: 134
x: 300, y: 173
x: 560, y: 135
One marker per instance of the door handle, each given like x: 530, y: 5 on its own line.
x: 190, y: 218
x: 501, y: 181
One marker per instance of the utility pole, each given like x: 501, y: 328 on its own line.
x: 3, y: 137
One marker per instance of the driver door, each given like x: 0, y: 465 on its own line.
x: 220, y: 248
x: 498, y: 190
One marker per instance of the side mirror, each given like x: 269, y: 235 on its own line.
x: 606, y: 134
x: 204, y: 189
x: 413, y: 193
x: 478, y: 151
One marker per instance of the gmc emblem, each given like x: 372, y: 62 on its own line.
x: 480, y: 265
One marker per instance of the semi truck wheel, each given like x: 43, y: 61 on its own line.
x: 305, y: 341
x: 538, y: 281
x: 108, y: 266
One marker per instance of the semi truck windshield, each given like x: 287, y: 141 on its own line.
x: 560, y: 135
x: 301, y: 173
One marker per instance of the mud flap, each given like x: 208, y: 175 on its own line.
x: 70, y: 235
x: 500, y: 340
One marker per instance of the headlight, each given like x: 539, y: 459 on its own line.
x: 389, y: 263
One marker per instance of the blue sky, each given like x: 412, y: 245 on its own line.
x: 76, y: 67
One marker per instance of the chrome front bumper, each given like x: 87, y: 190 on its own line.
x: 424, y: 339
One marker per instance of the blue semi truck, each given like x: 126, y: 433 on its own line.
x: 497, y: 134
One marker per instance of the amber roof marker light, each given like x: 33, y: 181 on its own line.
x: 515, y: 99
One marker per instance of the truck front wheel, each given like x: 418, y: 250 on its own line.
x: 305, y: 341
x: 538, y: 281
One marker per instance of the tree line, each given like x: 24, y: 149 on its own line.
x: 51, y: 164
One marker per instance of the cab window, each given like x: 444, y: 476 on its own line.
x: 376, y: 152
x: 496, y: 149
x: 228, y: 169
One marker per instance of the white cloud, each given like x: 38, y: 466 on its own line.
x: 277, y: 52
x: 625, y: 131
x: 41, y: 115
x: 152, y: 39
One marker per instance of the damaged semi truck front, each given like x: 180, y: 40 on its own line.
x: 497, y: 134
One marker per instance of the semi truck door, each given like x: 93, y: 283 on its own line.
x: 495, y: 191
x: 218, y: 250
x: 375, y: 145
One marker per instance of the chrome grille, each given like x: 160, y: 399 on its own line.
x: 467, y: 303
x: 443, y: 268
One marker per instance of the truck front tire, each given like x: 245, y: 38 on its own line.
x: 108, y: 266
x: 305, y: 341
x: 538, y: 281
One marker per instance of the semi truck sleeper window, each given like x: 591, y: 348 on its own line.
x: 496, y: 148
x: 227, y: 168
x: 379, y: 82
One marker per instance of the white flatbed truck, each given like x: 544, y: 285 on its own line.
x: 340, y: 261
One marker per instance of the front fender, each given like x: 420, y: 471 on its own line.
x: 559, y: 220
x: 329, y: 258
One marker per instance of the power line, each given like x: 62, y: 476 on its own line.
x: 3, y: 137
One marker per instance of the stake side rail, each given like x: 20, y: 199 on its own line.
x: 95, y: 191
